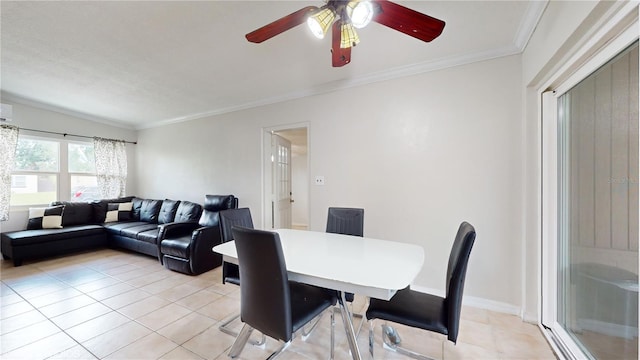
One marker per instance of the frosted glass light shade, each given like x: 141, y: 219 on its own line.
x: 348, y: 36
x: 320, y: 22
x: 360, y: 13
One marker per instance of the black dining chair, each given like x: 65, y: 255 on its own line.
x: 269, y: 302
x: 426, y: 311
x: 347, y: 221
x: 230, y: 272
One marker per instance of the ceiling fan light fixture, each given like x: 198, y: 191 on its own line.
x: 348, y: 36
x: 360, y: 13
x: 320, y: 22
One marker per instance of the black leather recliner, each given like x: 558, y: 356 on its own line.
x: 186, y: 247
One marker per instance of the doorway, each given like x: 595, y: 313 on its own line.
x: 286, y: 177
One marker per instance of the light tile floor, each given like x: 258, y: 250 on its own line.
x: 111, y: 304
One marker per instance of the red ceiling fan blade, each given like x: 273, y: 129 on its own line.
x: 281, y: 25
x: 410, y: 22
x: 339, y: 56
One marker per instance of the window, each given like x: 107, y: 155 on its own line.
x: 35, y: 175
x: 82, y: 167
x: 48, y: 170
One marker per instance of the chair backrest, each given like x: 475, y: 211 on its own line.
x: 213, y: 204
x: 265, y: 300
x: 234, y: 217
x: 348, y: 221
x: 456, y: 272
x: 228, y: 219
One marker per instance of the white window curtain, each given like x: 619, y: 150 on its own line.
x: 111, y: 167
x: 8, y: 142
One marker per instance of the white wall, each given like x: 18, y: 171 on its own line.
x: 29, y: 117
x: 420, y: 154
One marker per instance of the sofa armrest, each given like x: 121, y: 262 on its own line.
x: 202, y: 242
x: 176, y: 229
x: 173, y: 230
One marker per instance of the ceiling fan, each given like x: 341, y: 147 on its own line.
x: 344, y: 16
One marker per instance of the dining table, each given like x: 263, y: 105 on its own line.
x: 369, y: 267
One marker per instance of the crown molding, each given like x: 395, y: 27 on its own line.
x: 394, y: 73
x: 44, y: 106
x: 534, y: 12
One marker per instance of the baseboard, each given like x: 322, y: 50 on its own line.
x: 607, y: 328
x: 477, y: 302
x: 530, y: 318
x: 300, y: 226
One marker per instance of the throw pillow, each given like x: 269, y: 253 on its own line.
x: 45, y: 218
x: 118, y: 212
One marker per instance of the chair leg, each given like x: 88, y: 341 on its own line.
x: 371, y: 338
x: 306, y: 333
x: 362, y: 320
x: 391, y: 341
x: 279, y: 351
x: 225, y: 327
x: 241, y: 341
x: 333, y: 334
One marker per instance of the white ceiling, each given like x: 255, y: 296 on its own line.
x: 140, y: 64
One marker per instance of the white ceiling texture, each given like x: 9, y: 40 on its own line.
x: 139, y: 64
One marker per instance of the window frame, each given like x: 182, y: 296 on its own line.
x: 63, y: 176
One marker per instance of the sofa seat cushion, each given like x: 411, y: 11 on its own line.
x: 133, y: 232
x: 178, y: 247
x: 116, y: 228
x: 150, y: 236
x: 30, y: 237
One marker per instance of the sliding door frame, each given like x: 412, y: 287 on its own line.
x: 615, y: 35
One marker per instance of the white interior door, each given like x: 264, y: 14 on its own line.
x: 281, y: 185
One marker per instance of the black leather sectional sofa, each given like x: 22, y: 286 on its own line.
x: 141, y: 229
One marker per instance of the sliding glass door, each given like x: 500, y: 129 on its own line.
x: 596, y: 248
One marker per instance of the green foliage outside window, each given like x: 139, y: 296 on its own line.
x: 37, y: 155
x: 81, y: 158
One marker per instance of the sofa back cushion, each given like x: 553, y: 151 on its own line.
x: 45, y: 218
x: 135, y: 211
x: 168, y: 211
x: 75, y: 213
x: 118, y: 212
x: 100, y: 207
x: 188, y: 211
x: 149, y: 210
x: 212, y: 205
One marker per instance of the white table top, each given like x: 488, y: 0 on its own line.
x: 365, y: 266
